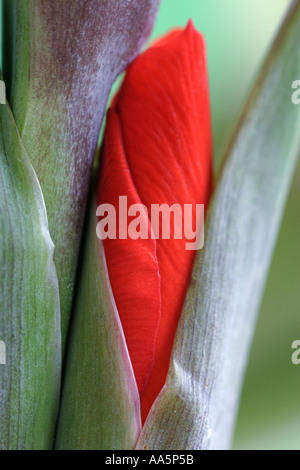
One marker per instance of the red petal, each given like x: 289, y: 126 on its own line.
x: 132, y: 264
x: 164, y: 114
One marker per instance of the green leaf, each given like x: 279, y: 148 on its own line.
x: 100, y: 407
x: 197, y: 407
x: 29, y: 302
x: 61, y: 59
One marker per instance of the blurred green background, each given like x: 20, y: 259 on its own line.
x: 238, y: 34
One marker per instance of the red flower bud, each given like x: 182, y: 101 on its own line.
x: 157, y: 150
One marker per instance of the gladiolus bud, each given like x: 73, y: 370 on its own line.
x: 157, y: 150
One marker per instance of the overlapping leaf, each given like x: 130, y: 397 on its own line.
x: 60, y: 61
x: 29, y: 302
x: 100, y: 407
